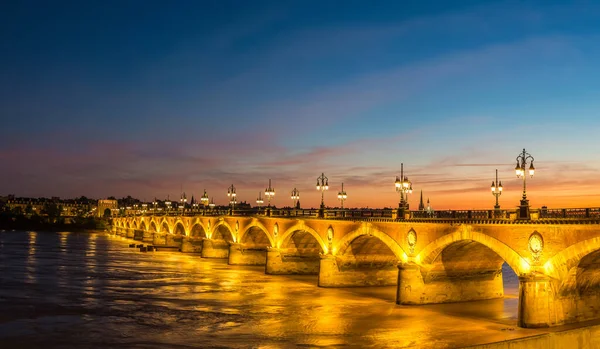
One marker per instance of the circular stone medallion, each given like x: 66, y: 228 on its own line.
x: 411, y: 238
x: 536, y: 243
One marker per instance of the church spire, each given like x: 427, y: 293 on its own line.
x: 421, y: 206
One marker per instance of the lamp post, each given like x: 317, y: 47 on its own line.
x: 497, y: 191
x: 154, y: 204
x: 522, y: 160
x: 295, y: 197
x: 322, y: 185
x: 404, y: 187
x: 212, y: 203
x: 231, y: 194
x: 182, y: 202
x: 168, y: 203
x: 259, y: 200
x: 204, y: 201
x: 342, y: 196
x: 269, y: 193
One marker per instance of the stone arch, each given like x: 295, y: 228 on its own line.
x: 299, y: 235
x: 222, y: 231
x: 198, y: 231
x: 367, y: 231
x: 152, y: 228
x: 179, y: 229
x: 143, y: 226
x: 164, y: 227
x: 475, y: 243
x: 561, y: 265
x: 256, y: 234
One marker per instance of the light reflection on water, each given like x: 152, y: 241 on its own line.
x: 60, y: 289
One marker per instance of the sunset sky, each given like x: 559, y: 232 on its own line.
x: 145, y: 98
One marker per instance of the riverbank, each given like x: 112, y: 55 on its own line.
x: 40, y: 223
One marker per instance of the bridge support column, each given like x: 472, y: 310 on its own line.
x: 159, y: 239
x: 240, y: 255
x: 147, y: 236
x: 130, y: 234
x: 416, y: 288
x: 537, y: 302
x: 411, y: 287
x: 333, y: 273
x: 138, y: 235
x: 191, y: 246
x: 215, y: 248
x: 280, y: 264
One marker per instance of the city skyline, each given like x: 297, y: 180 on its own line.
x: 149, y: 101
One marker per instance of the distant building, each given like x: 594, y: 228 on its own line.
x: 107, y: 208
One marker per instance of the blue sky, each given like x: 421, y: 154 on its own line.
x: 143, y: 98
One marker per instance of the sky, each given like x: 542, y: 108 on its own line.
x: 152, y: 98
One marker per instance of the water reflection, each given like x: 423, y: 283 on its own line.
x: 93, y: 291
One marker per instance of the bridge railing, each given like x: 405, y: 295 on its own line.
x: 569, y: 213
x: 543, y: 214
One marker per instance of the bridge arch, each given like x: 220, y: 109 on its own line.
x: 364, y: 233
x: 143, y: 226
x: 256, y: 234
x: 223, y: 231
x: 164, y: 227
x: 299, y: 235
x: 179, y: 229
x: 198, y: 230
x: 563, y: 263
x: 460, y: 240
x: 152, y: 227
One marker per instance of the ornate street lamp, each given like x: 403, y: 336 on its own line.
x: 168, y: 203
x: 497, y: 191
x: 204, y: 201
x: 269, y: 193
x: 259, y: 200
x: 231, y: 194
x: 404, y: 187
x: 322, y: 185
x: 295, y: 197
x: 342, y: 196
x: 182, y: 202
x: 212, y: 203
x: 154, y: 204
x: 522, y: 160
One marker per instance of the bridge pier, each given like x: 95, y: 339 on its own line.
x: 416, y: 287
x: 215, y: 248
x: 130, y: 234
x: 159, y: 239
x: 242, y: 255
x: 280, y: 263
x: 147, y: 236
x: 538, y: 302
x: 138, y: 234
x: 339, y: 272
x: 191, y: 246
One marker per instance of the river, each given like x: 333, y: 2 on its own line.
x: 87, y: 290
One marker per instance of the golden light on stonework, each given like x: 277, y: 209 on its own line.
x: 411, y: 239
x: 536, y: 245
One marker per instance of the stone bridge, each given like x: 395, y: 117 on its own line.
x: 430, y: 261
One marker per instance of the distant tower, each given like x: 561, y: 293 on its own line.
x: 429, y: 209
x: 421, y: 206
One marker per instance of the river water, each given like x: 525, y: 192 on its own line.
x: 86, y: 290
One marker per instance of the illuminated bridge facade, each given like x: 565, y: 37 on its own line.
x: 452, y: 257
